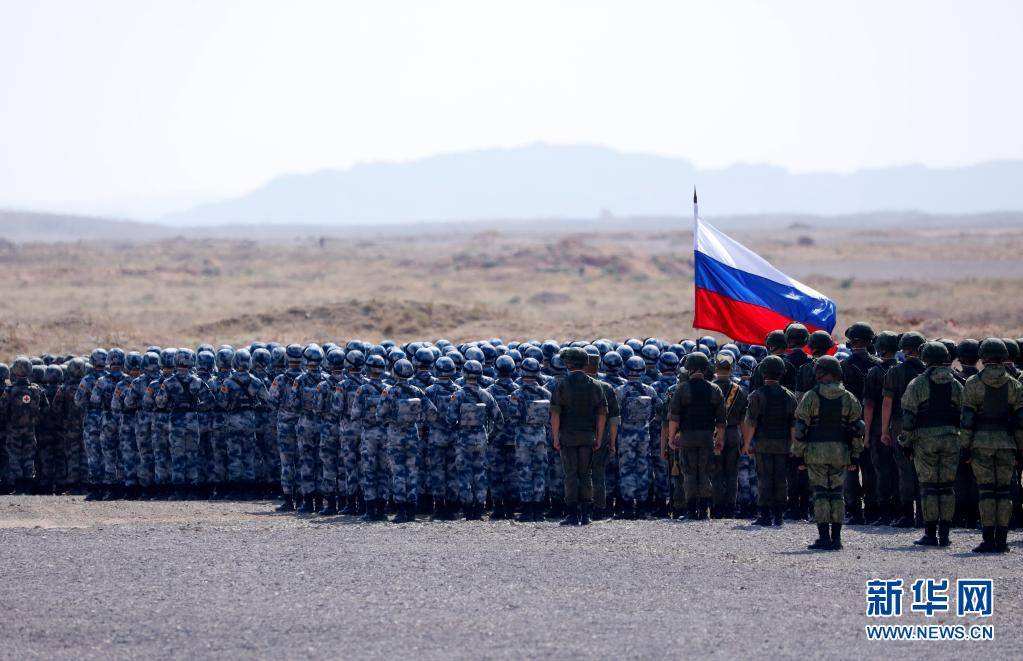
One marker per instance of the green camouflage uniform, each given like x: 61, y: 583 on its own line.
x: 827, y: 444
x: 931, y: 408
x: 992, y: 409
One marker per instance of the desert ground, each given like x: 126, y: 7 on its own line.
x: 463, y: 285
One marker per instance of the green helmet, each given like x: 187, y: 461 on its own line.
x: 21, y: 368
x: 828, y: 365
x: 574, y: 357
x: 772, y: 367
x: 886, y: 342
x: 775, y: 340
x: 950, y: 346
x: 968, y: 351
x: 697, y: 362
x: 934, y: 353
x: 820, y: 341
x: 911, y: 341
x: 993, y: 349
x: 796, y: 335
x: 861, y: 330
x: 1012, y: 348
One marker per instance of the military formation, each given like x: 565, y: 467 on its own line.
x: 885, y: 429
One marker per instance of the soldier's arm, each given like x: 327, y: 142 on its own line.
x: 973, y: 395
x: 749, y: 424
x: 805, y: 412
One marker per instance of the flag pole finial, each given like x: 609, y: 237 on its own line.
x: 694, y: 195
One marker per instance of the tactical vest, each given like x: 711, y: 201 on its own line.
x: 371, y: 402
x: 538, y: 411
x: 637, y: 410
x: 828, y: 426
x: 409, y: 410
x: 578, y: 411
x: 183, y: 401
x: 775, y: 421
x: 938, y: 410
x: 699, y: 414
x: 243, y: 400
x: 472, y: 415
x: 994, y: 412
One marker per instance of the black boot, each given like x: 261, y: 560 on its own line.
x: 692, y: 509
x: 351, y: 507
x: 557, y: 508
x: 779, y: 515
x: 883, y: 517
x: 573, y: 516
x: 307, y: 505
x: 410, y: 511
x: 317, y: 501
x: 402, y: 514
x: 288, y: 505
x: 467, y: 510
x: 329, y: 506
x: 918, y: 518
x: 988, y: 545
x: 1001, y: 539
x: 855, y: 517
x: 110, y: 492
x: 498, y: 512
x: 765, y: 517
x: 907, y: 520
x: 526, y: 516
x: 823, y: 542
x: 943, y: 529
x: 705, y: 508
x: 661, y: 509
x: 930, y: 537
x: 836, y: 536
x: 93, y: 492
x: 584, y: 516
x: 177, y: 493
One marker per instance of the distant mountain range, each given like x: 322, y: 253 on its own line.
x: 545, y: 181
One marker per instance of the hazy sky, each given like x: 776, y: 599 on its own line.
x: 138, y: 105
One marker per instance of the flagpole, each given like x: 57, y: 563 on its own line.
x: 696, y: 222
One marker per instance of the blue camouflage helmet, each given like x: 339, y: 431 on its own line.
x: 625, y: 351
x: 515, y: 355
x: 167, y: 357
x: 746, y: 365
x: 495, y: 341
x: 353, y: 345
x: 550, y: 348
x: 150, y: 361
x: 184, y: 358
x: 203, y: 347
x: 603, y: 346
x: 293, y: 352
x: 256, y: 345
x: 758, y: 351
x: 634, y: 344
x: 709, y: 342
x: 313, y: 354
x: 411, y: 348
x: 733, y: 348
x: 688, y: 346
x: 514, y: 344
x: 475, y: 353
x: 241, y: 360
x: 704, y: 349
x: 505, y: 365
x: 403, y: 369
x: 457, y: 358
x: 355, y: 359
x: 442, y: 343
x: 388, y: 344
x: 530, y: 367
x: 98, y: 358
x: 261, y: 358
x: 205, y: 360
x: 635, y: 366
x: 133, y: 361
x: 153, y: 349
x: 376, y: 350
x: 335, y: 359
x: 533, y: 352
x: 394, y: 356
x: 678, y: 350
x: 667, y: 362
x: 591, y: 349
x: 444, y: 366
x: 224, y: 358
x: 650, y: 353
x: 424, y: 357
x: 115, y: 357
x: 375, y: 363
x: 558, y: 364
x: 612, y: 362
x: 472, y: 368
x: 278, y: 356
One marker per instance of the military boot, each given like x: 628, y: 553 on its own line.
x: 692, y: 510
x: 498, y: 512
x: 1001, y: 539
x: 438, y: 509
x: 402, y: 514
x: 918, y: 519
x: 836, y: 536
x: 884, y: 516
x: 572, y: 519
x: 557, y: 508
x: 930, y: 537
x: 584, y: 515
x: 526, y: 516
x: 855, y: 517
x: 424, y: 505
x: 307, y: 506
x: 705, y: 508
x: 765, y: 517
x: 467, y: 510
x: 317, y: 501
x: 943, y: 529
x: 907, y: 520
x: 93, y: 493
x: 329, y: 506
x: 351, y: 507
x: 823, y: 542
x: 410, y: 511
x: 988, y: 545
x: 287, y: 505
x: 779, y: 515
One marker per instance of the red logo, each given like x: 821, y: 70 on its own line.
x: 26, y: 399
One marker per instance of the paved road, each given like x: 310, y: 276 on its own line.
x: 197, y: 580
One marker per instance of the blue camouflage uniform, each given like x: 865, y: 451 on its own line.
x: 307, y: 430
x: 102, y: 395
x: 502, y: 474
x: 443, y: 481
x: 529, y: 413
x: 639, y: 405
x: 123, y: 407
x: 284, y: 397
x: 93, y: 423
x: 658, y: 464
x: 350, y: 430
x: 134, y: 399
x: 331, y: 480
x: 239, y: 397
x: 374, y: 463
x: 160, y: 430
x: 403, y: 410
x: 477, y: 417
x: 184, y: 395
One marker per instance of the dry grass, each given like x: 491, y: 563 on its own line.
x: 71, y: 297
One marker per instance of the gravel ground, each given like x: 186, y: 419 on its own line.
x: 196, y: 580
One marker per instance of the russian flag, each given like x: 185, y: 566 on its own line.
x: 740, y: 294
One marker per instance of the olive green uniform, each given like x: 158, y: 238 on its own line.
x: 896, y: 380
x: 827, y: 440
x: 598, y: 465
x: 725, y: 465
x: 931, y: 408
x: 698, y: 406
x: 580, y: 401
x: 772, y: 410
x: 992, y: 432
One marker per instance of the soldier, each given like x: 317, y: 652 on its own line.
x: 73, y: 418
x: 774, y: 343
x: 183, y: 395
x: 102, y: 396
x: 239, y: 396
x: 285, y: 399
x: 608, y: 446
x: 895, y: 382
x: 767, y: 435
x: 667, y: 367
x: 373, y: 468
x: 861, y: 497
x: 724, y: 469
x: 578, y: 418
x: 820, y: 343
x: 828, y: 436
x: 212, y: 470
x: 501, y: 452
x: 992, y: 437
x: 402, y: 409
x: 160, y: 430
x: 268, y: 468
x: 477, y: 417
x: 308, y: 429
x: 966, y: 512
x: 638, y: 404
x: 612, y: 363
x: 21, y: 406
x: 931, y: 409
x: 125, y: 408
x: 696, y: 427
x: 93, y: 426
x: 216, y: 419
x: 882, y: 456
x: 331, y: 463
x: 5, y: 486
x: 135, y: 400
x: 650, y: 353
x: 440, y: 458
x: 529, y: 415
x: 555, y: 467
x: 51, y: 461
x: 350, y: 431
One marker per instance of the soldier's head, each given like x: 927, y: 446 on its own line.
x: 293, y: 356
x: 375, y: 366
x: 697, y: 364
x: 575, y: 358
x: 650, y: 353
x: 968, y: 352
x: 550, y: 348
x: 115, y: 359
x: 21, y: 369
x: 667, y: 363
x: 612, y: 362
x: 709, y: 342
x: 133, y: 363
x: 772, y: 368
x: 403, y: 370
x: 910, y: 343
x: 1013, y: 349
x: 472, y: 370
x: 635, y: 368
x: 98, y: 359
x: 820, y: 342
x: 38, y: 373
x: 530, y: 369
x: 993, y: 351
x: 150, y: 364
x: 745, y: 366
x: 335, y: 360
x: 886, y: 343
x: 424, y: 358
x: 775, y: 342
x: 950, y: 347
x: 205, y: 361
x: 313, y: 356
x: 445, y: 368
x: 827, y: 369
x: 242, y: 360
x: 859, y: 335
x: 75, y: 370
x: 796, y: 336
x: 54, y: 375
x: 167, y: 358
x: 355, y: 360
x: 505, y: 366
x: 184, y: 360
x: 723, y: 364
x: 934, y: 354
x: 223, y: 359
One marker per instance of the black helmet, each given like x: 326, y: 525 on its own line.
x: 820, y: 341
x: 886, y: 342
x: 860, y: 331
x: 1011, y: 347
x: 993, y: 349
x: 772, y: 367
x: 968, y: 352
x: 796, y: 335
x: 911, y: 341
x: 934, y: 353
x: 775, y: 340
x: 697, y: 362
x: 828, y: 365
